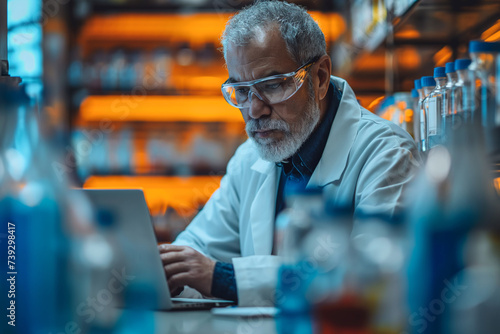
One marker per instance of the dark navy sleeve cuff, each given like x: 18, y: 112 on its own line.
x: 224, y: 282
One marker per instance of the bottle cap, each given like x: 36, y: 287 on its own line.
x: 482, y: 46
x: 295, y: 187
x: 389, y: 101
x: 12, y: 95
x: 414, y: 93
x: 450, y: 67
x: 418, y: 84
x: 439, y: 72
x: 462, y: 64
x: 428, y: 81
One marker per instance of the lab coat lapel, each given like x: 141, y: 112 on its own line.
x: 341, y: 138
x: 263, y: 208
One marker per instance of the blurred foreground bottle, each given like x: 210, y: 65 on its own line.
x: 369, y: 298
x: 484, y: 69
x: 292, y: 226
x: 453, y: 198
x: 43, y: 230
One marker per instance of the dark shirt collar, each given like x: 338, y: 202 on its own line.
x: 305, y: 160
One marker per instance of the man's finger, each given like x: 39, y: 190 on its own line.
x: 164, y: 248
x: 176, y: 291
x: 172, y: 257
x: 175, y: 268
x: 177, y: 281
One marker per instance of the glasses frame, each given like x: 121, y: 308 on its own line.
x: 252, y: 83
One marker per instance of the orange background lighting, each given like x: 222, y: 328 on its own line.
x: 198, y: 28
x: 184, y: 194
x: 158, y: 108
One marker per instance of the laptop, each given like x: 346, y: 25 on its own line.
x: 123, y: 218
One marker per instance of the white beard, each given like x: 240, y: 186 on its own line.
x: 279, y: 150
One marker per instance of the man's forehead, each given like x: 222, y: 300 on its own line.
x: 265, y: 54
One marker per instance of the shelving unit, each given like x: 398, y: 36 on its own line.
x: 408, y: 41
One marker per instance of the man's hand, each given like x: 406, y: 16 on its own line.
x: 185, y: 266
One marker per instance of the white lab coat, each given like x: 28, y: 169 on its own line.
x: 366, y: 163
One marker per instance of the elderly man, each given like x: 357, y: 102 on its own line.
x: 302, y: 123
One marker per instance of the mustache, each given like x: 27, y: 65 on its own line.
x: 266, y: 124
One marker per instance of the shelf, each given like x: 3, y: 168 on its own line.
x: 428, y: 33
x: 143, y: 30
x: 182, y: 6
x: 136, y: 108
x: 184, y: 194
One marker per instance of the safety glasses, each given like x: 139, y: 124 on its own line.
x: 271, y: 90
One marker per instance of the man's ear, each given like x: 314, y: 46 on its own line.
x: 324, y: 66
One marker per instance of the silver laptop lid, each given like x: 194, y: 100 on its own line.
x: 124, y: 220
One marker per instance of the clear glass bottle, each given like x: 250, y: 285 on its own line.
x: 292, y: 226
x: 483, y: 68
x: 428, y: 84
x: 453, y: 195
x: 422, y: 126
x: 448, y: 113
x: 416, y: 116
x: 435, y: 108
x: 459, y: 89
x: 38, y: 246
x: 376, y: 271
x: 484, y: 81
x: 48, y: 225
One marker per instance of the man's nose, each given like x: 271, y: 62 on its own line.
x: 258, y: 108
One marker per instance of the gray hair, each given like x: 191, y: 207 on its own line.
x: 303, y: 37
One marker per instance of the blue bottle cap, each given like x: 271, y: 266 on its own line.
x: 338, y: 209
x: 11, y: 95
x: 414, y: 93
x: 389, y: 101
x: 450, y: 67
x: 439, y: 72
x: 482, y: 46
x: 298, y: 187
x: 395, y: 219
x: 462, y: 64
x: 418, y: 84
x: 428, y: 81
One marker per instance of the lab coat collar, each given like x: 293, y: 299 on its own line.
x: 262, y: 166
x: 341, y: 138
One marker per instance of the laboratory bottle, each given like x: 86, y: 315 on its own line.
x: 378, y: 254
x: 435, y: 108
x: 451, y: 197
x: 448, y: 113
x: 336, y: 304
x: 40, y: 256
x: 52, y: 227
x: 292, y: 226
x: 416, y: 116
x: 459, y: 91
x: 484, y: 82
x: 422, y: 126
x: 428, y: 83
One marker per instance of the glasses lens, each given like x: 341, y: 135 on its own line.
x: 235, y: 96
x: 276, y: 90
x: 272, y: 90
